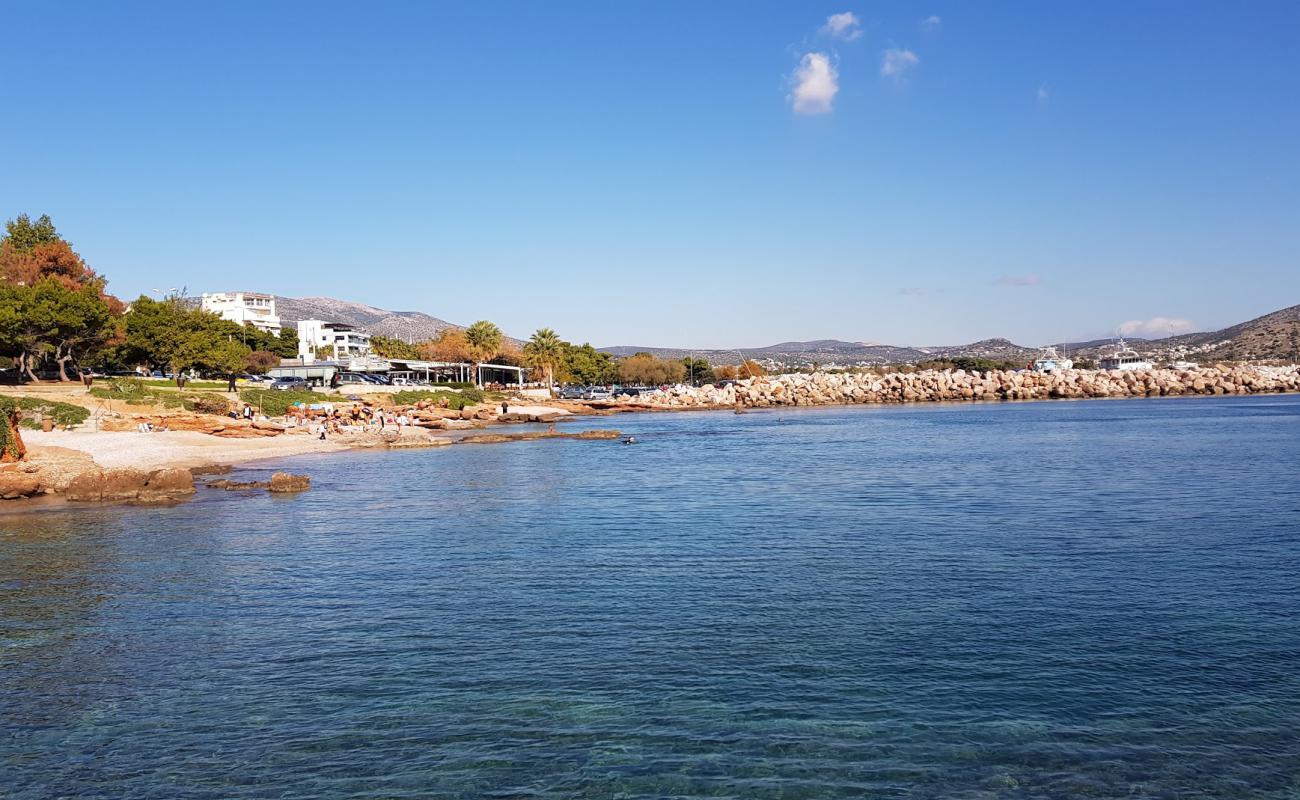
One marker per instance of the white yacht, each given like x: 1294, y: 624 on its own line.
x: 1049, y: 361
x: 1125, y: 357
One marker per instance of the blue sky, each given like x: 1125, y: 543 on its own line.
x: 678, y: 174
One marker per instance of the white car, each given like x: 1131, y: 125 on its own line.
x: 598, y: 393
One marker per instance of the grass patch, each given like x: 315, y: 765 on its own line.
x: 65, y: 415
x: 137, y: 392
x: 274, y: 403
x: 164, y: 383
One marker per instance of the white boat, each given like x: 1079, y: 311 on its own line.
x: 1124, y: 358
x: 1050, y: 362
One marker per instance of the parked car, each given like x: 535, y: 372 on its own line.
x: 597, y: 393
x: 573, y: 392
x: 291, y: 385
x: 630, y: 391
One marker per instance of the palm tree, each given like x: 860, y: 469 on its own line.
x: 484, y: 342
x: 544, y: 351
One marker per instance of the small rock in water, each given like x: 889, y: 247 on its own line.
x: 283, y: 483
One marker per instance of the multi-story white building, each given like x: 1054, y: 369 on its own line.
x: 244, y: 308
x: 347, y: 341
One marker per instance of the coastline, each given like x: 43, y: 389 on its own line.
x: 174, y: 449
x: 125, y: 463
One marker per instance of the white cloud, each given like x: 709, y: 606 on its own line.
x: 1018, y: 280
x: 1043, y: 95
x: 1157, y: 327
x: 844, y: 26
x: 931, y: 22
x: 894, y: 62
x: 816, y: 81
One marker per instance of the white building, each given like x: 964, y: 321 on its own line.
x: 244, y: 308
x: 347, y: 341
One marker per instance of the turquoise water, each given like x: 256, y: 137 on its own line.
x: 1089, y: 599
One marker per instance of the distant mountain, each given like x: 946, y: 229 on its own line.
x: 834, y: 352
x: 397, y: 324
x: 410, y: 325
x: 1274, y: 336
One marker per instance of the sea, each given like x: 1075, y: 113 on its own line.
x: 1093, y: 599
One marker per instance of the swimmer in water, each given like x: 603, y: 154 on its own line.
x: 630, y: 440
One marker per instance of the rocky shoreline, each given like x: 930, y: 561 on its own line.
x: 156, y: 467
x: 821, y: 388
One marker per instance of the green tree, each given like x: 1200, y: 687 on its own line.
x: 544, y: 352
x: 389, y: 347
x: 287, y: 347
x: 167, y: 334
x: 484, y: 340
x: 585, y: 364
x: 24, y: 235
x: 52, y: 320
x: 697, y: 370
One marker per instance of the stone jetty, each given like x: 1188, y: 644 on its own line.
x: 820, y: 388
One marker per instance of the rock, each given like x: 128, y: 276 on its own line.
x: 14, y: 485
x: 283, y: 483
x: 605, y: 434
x: 211, y: 469
x: 166, y: 485
x: 122, y: 484
x: 993, y: 385
x: 234, y: 486
x: 88, y: 487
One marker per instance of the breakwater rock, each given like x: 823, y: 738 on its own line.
x: 931, y: 386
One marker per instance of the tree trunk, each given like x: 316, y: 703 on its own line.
x: 63, y: 368
x: 27, y: 367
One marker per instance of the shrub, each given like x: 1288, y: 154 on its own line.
x: 65, y: 415
x: 455, y: 400
x: 208, y: 404
x: 8, y: 442
x: 118, y: 387
x: 274, y: 403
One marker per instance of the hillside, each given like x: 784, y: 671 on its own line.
x: 1274, y: 336
x: 397, y: 324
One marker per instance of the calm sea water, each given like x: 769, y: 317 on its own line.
x: 1091, y: 599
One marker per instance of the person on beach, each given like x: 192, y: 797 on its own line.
x: 505, y: 407
x: 230, y: 383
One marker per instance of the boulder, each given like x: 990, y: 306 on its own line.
x: 87, y: 487
x: 123, y: 484
x: 14, y: 485
x: 284, y: 483
x: 165, y: 485
x: 211, y: 469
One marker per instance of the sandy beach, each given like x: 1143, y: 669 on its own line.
x: 149, y: 451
